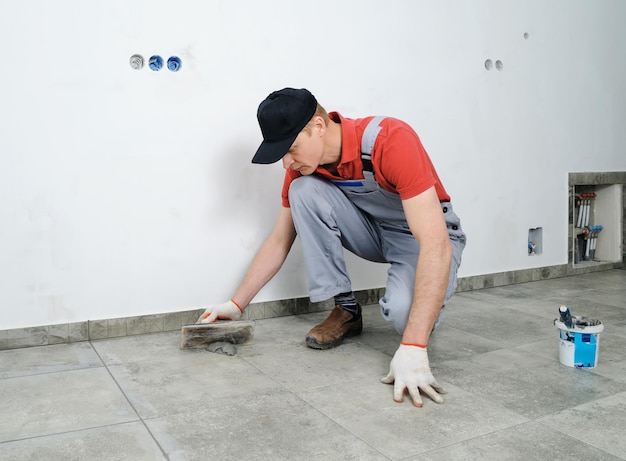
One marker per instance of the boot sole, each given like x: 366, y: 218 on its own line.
x: 315, y: 344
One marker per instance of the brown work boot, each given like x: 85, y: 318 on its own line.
x: 338, y: 325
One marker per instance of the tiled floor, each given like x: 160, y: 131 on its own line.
x: 496, y: 352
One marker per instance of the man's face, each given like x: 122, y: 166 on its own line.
x: 305, y: 153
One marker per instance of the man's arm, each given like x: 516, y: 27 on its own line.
x: 425, y: 218
x: 268, y: 260
x: 409, y: 368
x: 265, y: 264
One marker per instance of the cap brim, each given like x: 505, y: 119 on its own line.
x: 271, y: 152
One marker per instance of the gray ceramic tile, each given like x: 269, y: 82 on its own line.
x: 135, y: 326
x: 461, y: 302
x: 526, y: 383
x: 372, y: 316
x: 154, y: 323
x: 78, y: 331
x: 382, y: 338
x: 58, y: 334
x: 594, y: 178
x: 98, y: 329
x: 526, y: 442
x: 547, y: 348
x: 587, y: 295
x: 179, y: 381
x: 117, y: 327
x: 297, y: 367
x: 190, y: 317
x: 567, y: 285
x: 613, y: 278
x: 539, y: 307
x: 27, y: 337
x: 615, y: 326
x: 611, y: 296
x: 283, y: 330
x: 497, y: 323
x: 599, y: 423
x: 139, y: 348
x: 500, y: 296
x: 48, y: 359
x: 60, y: 402
x: 304, y: 306
x: 144, y: 324
x: 278, y: 308
x: 476, y: 282
x: 446, y: 342
x: 615, y: 370
x: 399, y: 430
x: 254, y: 312
x: 526, y: 275
x: 449, y: 343
x: 172, y: 321
x: 129, y: 441
x: 275, y: 425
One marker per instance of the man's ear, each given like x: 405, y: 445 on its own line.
x: 319, y: 125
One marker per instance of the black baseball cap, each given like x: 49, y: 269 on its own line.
x: 282, y: 116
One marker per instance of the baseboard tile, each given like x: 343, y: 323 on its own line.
x: 94, y: 330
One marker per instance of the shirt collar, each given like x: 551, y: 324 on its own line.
x: 350, y: 149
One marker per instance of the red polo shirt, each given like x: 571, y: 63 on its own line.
x: 401, y: 164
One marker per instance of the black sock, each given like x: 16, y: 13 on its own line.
x: 347, y: 302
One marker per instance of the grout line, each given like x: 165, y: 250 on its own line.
x: 54, y: 434
x: 129, y: 401
x: 556, y: 429
x: 297, y: 395
x: 461, y: 442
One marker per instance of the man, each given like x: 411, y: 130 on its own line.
x: 366, y: 185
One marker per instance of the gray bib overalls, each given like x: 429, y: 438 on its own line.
x: 369, y: 221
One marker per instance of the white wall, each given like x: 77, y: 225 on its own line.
x: 129, y: 192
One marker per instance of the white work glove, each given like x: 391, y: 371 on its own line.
x: 226, y: 311
x: 409, y: 369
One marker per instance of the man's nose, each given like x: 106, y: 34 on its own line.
x: 287, y: 161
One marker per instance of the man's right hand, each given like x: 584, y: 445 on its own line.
x: 226, y: 311
x: 409, y: 370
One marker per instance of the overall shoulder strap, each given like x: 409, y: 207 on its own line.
x: 367, y: 142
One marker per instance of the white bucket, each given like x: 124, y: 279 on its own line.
x: 578, y: 346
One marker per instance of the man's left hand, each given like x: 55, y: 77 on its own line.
x: 409, y: 369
